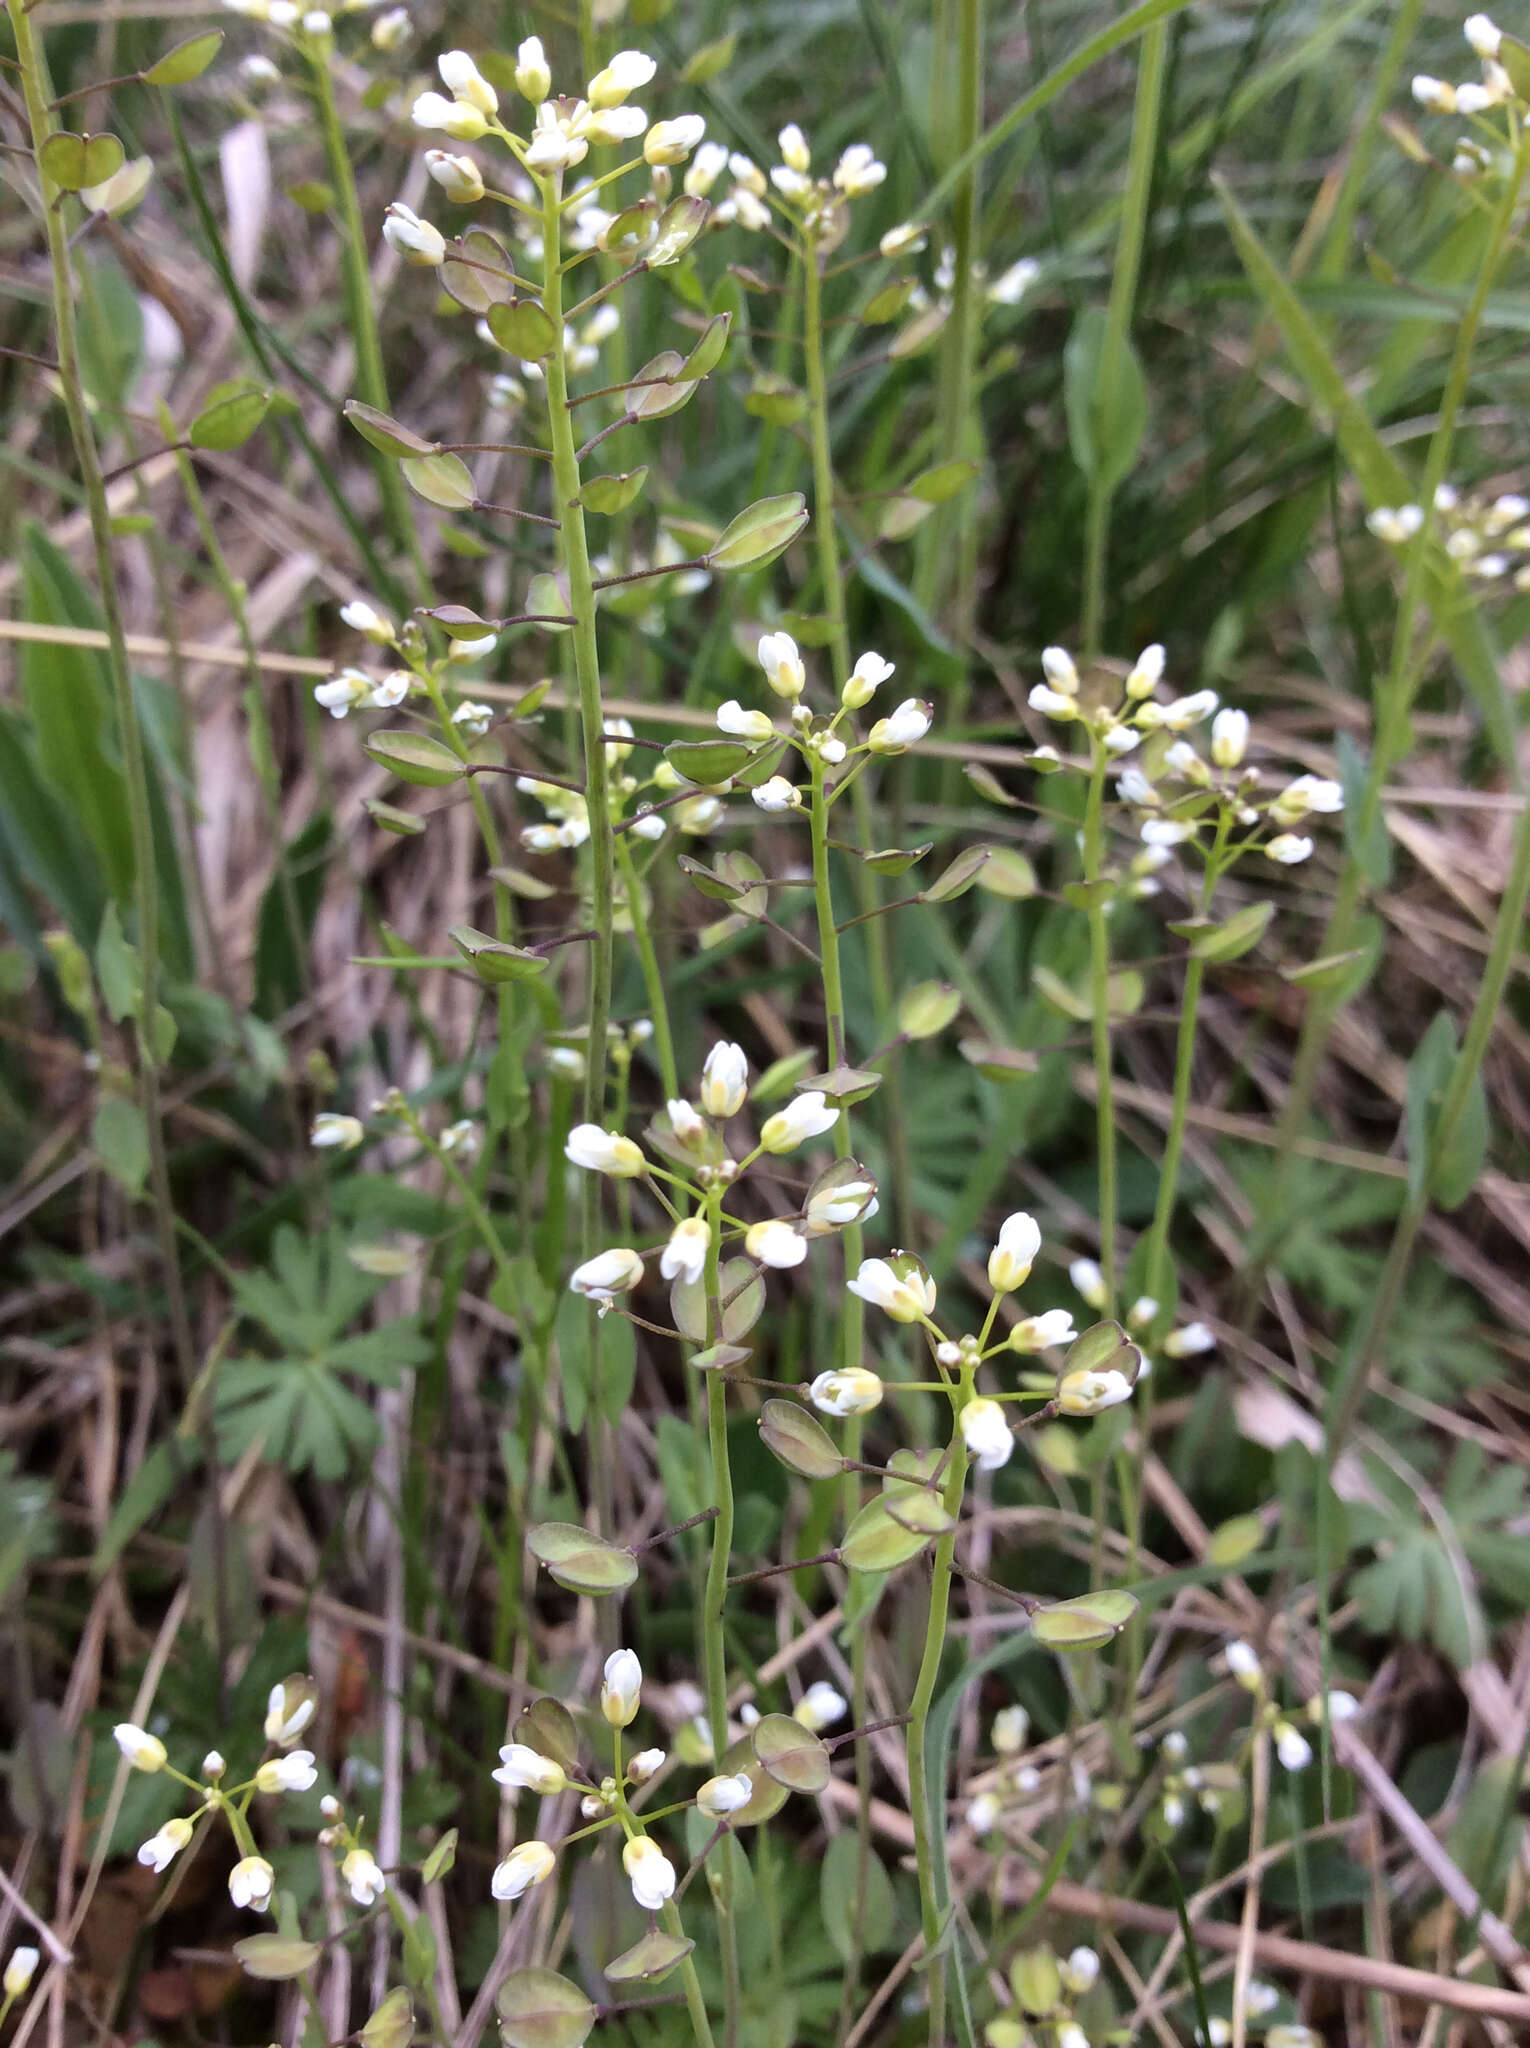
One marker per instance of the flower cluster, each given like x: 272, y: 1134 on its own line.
x: 819, y: 204
x: 1099, y: 1371
x: 1046, y: 1990
x: 823, y: 741
x: 1488, y: 538
x: 1495, y: 88
x: 1291, y: 1746
x: 693, y: 1138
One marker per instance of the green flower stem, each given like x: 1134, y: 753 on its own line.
x: 360, y: 314
x: 826, y: 539
x: 1099, y: 996
x: 919, y: 1788
x: 695, y: 2004
x: 653, y: 978
x: 715, y: 1599
x: 581, y: 589
x: 1394, y: 699
x: 1118, y: 316
x: 37, y: 90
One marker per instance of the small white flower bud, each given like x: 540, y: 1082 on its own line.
x: 1057, y: 665
x: 599, y: 1151
x: 906, y: 1297
x: 416, y: 240
x: 607, y: 1275
x: 776, y: 796
x: 685, y: 1256
x: 524, y: 1769
x: 1229, y: 738
x: 775, y: 1243
x: 1189, y: 1341
x: 1088, y: 1281
x: 720, y: 1797
x: 528, y: 1864
x: 794, y: 150
x: 143, y: 1751
x: 671, y: 142
x: 1011, y: 1729
x: 456, y: 118
x: 906, y: 727
x: 642, y: 1767
x: 1090, y: 1393
x: 19, y: 1971
x: 1010, y: 1261
x: 650, y: 1872
x: 621, y: 1688
x: 986, y: 1434
x: 1292, y: 1747
x: 458, y: 176
x: 1038, y: 1333
x: 533, y: 80
x: 724, y: 1081
x: 628, y: 71
x: 392, y: 30
x: 806, y: 1116
x: 250, y: 1882
x: 1289, y: 848
x: 820, y: 1707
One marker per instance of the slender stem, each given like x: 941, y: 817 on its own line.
x: 919, y: 1789
x: 1393, y: 701
x: 576, y: 561
x: 362, y: 319
x: 35, y: 86
x: 1118, y: 316
x: 695, y: 2004
x: 1099, y: 995
x: 715, y: 1600
x: 653, y: 978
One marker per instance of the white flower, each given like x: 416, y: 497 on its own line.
x: 1307, y: 793
x: 719, y: 1797
x: 793, y: 146
x: 1010, y: 1261
x: 392, y: 30
x: 724, y: 1080
x: 1079, y: 1971
x: 621, y: 1686
x: 213, y: 1765
x: 19, y: 1971
x: 1120, y: 739
x: 777, y: 795
x: 848, y: 1201
x: 416, y: 240
x: 606, y: 126
x: 250, y: 1882
x: 363, y: 617
x: 143, y: 1751
x: 550, y: 148
x: 1133, y: 787
x: 628, y: 71
x: 1037, y: 1333
x: 1088, y: 1281
x: 458, y: 176
x: 650, y: 1872
x: 986, y: 1434
x: 608, y: 1274
x: 1243, y: 1663
x: 649, y: 825
x: 392, y: 690
x: 740, y: 724
x: 464, y: 81
x: 685, y: 1256
x: 352, y: 686
x: 1175, y: 1746
x: 294, y: 1772
x: 1260, y: 1998
x: 1011, y: 285
x: 460, y: 1138
x: 1229, y: 738
x: 1475, y: 99
x: 906, y: 1298
x: 820, y: 1707
x: 828, y: 749
x: 1484, y: 35
x: 1187, y: 711
x: 783, y: 666
x: 317, y: 23
x: 290, y: 1707
x: 707, y: 166
x: 528, y: 1864
x: 329, y: 1132
x: 1090, y: 1393
x: 775, y: 1243
x: 1189, y: 1341
x: 1433, y: 94
x: 524, y: 1769
x: 474, y: 719
x: 1395, y: 526
x: 1011, y: 1727
x: 806, y: 1116
x: 1071, y: 2035
x: 1342, y: 1706
x: 1288, y: 848
x: 671, y: 142
x: 854, y: 1391
x: 641, y: 1767
x: 1052, y: 703
x: 160, y: 1850
x: 905, y: 728
x: 464, y: 123
x: 684, y: 1121
x: 533, y: 80
x: 1058, y: 667
x: 1141, y: 1312
x: 858, y: 171
x: 601, y: 1151
x: 869, y: 673
x: 982, y: 1813
x: 1292, y: 1747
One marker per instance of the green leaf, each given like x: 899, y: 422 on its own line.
x: 839, y: 1880
x: 416, y: 757
x: 120, y: 1138
x: 610, y: 494
x: 1370, y: 850
x: 441, y: 480
x: 523, y: 329
x: 232, y: 413
x: 1235, y: 937
x: 1105, y: 401
x: 117, y: 969
x: 184, y: 61
x: 710, y: 60
x: 74, y: 161
x: 167, y: 1470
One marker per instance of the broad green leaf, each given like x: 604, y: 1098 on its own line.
x: 839, y: 1882
x: 186, y: 60
x: 1105, y: 398
x: 121, y: 1141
